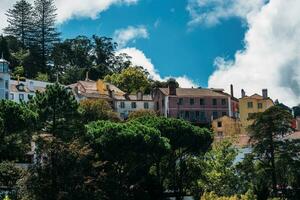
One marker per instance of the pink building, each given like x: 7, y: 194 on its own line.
x: 197, y: 105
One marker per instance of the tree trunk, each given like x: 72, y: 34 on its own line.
x: 273, y: 167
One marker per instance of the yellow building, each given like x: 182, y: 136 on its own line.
x: 253, y: 104
x: 226, y: 128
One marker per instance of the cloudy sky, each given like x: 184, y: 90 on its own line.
x: 253, y: 44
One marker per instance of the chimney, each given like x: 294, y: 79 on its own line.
x: 231, y: 90
x: 172, y: 86
x: 265, y: 93
x: 87, y: 76
x: 243, y: 93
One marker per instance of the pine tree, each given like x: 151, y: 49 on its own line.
x: 58, y: 112
x: 45, y: 31
x: 19, y: 20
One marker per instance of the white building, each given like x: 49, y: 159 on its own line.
x: 4, y: 79
x: 126, y: 104
x: 17, y: 90
x: 25, y: 90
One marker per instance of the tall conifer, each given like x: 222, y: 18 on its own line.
x: 45, y: 31
x: 20, y: 22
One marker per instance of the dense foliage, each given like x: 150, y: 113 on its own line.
x: 141, y: 158
x: 83, y: 151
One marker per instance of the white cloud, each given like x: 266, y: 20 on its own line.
x: 140, y: 59
x: 131, y: 33
x: 211, y: 12
x: 68, y: 9
x: 271, y: 58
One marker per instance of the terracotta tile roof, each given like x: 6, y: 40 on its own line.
x: 115, y: 89
x: 89, y: 86
x: 196, y: 92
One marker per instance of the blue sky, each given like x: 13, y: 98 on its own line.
x: 252, y: 44
x: 174, y: 48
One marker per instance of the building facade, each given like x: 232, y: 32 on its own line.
x: 4, y: 79
x: 197, y: 105
x: 249, y: 105
x: 122, y: 103
x: 15, y: 90
x: 126, y: 104
x: 25, y: 90
x: 227, y: 128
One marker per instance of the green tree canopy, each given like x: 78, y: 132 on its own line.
x: 186, y: 141
x: 58, y: 111
x: 67, y: 173
x: 20, y: 22
x: 45, y: 32
x: 16, y: 122
x: 268, y: 133
x: 130, y: 149
x: 94, y: 110
x: 131, y: 79
x: 141, y: 113
x: 219, y: 170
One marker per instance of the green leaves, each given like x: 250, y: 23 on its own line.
x: 130, y: 150
x: 93, y: 110
x: 58, y: 111
x: 131, y: 79
x: 219, y: 170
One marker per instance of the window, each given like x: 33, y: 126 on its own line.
x: 146, y: 105
x: 122, y: 115
x: 187, y: 115
x: 21, y: 96
x: 12, y: 96
x: 6, y: 95
x: 6, y: 84
x: 215, y: 114
x: 122, y: 104
x: 259, y: 106
x: 180, y: 101
x: 220, y: 134
x: 157, y: 105
x: 250, y: 115
x: 202, y: 102
x: 219, y: 124
x: 192, y: 115
x: 250, y: 104
x: 214, y: 102
x: 202, y: 116
x: 181, y: 114
x: 223, y: 101
x: 30, y: 96
x: 192, y: 101
x: 133, y: 105
x: 224, y: 113
x: 197, y: 114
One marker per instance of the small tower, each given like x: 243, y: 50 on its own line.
x: 4, y: 78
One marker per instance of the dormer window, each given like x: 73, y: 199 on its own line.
x: 20, y: 87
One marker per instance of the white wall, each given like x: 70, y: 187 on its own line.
x: 30, y: 84
x: 124, y: 112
